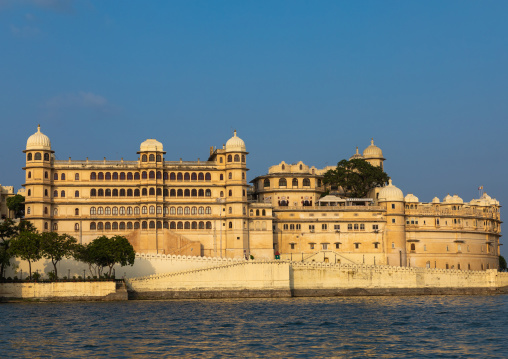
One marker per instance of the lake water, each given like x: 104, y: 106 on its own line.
x: 377, y: 327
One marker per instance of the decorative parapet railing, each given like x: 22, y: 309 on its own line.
x: 469, y: 212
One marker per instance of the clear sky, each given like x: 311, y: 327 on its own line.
x: 299, y: 80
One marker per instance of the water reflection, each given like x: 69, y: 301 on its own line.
x: 381, y: 327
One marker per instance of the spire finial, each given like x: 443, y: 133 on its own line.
x: 357, y: 150
x: 389, y: 182
x: 372, y: 141
x: 235, y: 133
x: 39, y: 128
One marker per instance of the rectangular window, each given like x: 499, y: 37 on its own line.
x: 393, y: 205
x: 349, y: 227
x: 311, y: 227
x: 393, y: 220
x: 357, y: 245
x: 362, y: 227
x: 355, y: 226
x: 311, y: 245
x: 336, y: 227
x: 447, y: 248
x: 393, y: 244
x: 376, y: 245
x: 324, y: 246
x: 286, y: 226
x: 298, y: 226
x: 292, y: 246
x: 292, y: 227
x: 424, y: 247
x: 324, y: 227
x: 337, y: 245
x: 375, y: 227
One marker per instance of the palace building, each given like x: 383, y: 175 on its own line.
x: 207, y: 208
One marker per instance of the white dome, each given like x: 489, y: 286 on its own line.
x: 356, y: 155
x: 411, y: 198
x: 151, y: 145
x: 455, y: 199
x: 235, y: 144
x: 390, y: 193
x: 372, y: 151
x: 38, y: 141
x: 435, y: 200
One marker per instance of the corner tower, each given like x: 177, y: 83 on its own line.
x: 38, y: 180
x: 373, y: 155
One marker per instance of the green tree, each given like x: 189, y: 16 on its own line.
x: 9, y: 230
x: 17, y: 205
x: 356, y: 177
x: 56, y: 247
x: 104, y: 252
x: 502, y: 264
x: 27, y: 246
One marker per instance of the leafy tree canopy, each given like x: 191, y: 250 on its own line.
x: 356, y: 177
x: 502, y: 264
x: 56, y: 247
x: 9, y: 230
x: 27, y: 246
x: 17, y: 205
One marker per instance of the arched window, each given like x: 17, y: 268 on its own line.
x: 62, y: 193
x: 55, y: 176
x: 243, y: 158
x: 159, y: 210
x: 29, y: 157
x: 122, y: 176
x: 144, y: 175
x: 76, y: 211
x: 172, y: 176
x: 208, y: 225
x: 55, y: 193
x: 129, y: 225
x: 152, y: 224
x: 257, y: 212
x: 115, y: 211
x: 159, y: 158
x: 100, y: 210
x: 186, y: 193
x: 194, y: 210
x: 230, y: 224
x: 136, y: 192
x: 107, y: 211
x: 107, y: 226
x: 29, y: 174
x: 201, y: 225
x: 136, y: 210
x: 129, y: 176
x: 179, y: 177
x: 46, y: 157
x: 186, y: 176
x: 129, y: 210
x: 159, y: 224
x: 194, y: 225
x: 413, y: 247
x: 37, y: 156
x: 93, y: 211
x: 93, y: 176
x: 93, y: 192
x: 201, y: 210
x: 144, y: 192
x: 93, y: 226
x: 166, y: 210
x: 230, y: 210
x: 159, y: 175
x: 266, y: 183
x: 295, y: 182
x: 282, y: 182
x: 194, y: 176
x: 208, y: 210
x: 306, y: 182
x: 136, y: 176
x: 264, y: 212
x: 100, y: 226
x: 166, y: 176
x: 115, y: 192
x: 152, y: 158
x: 107, y: 192
x: 55, y: 212
x: 29, y: 192
x: 46, y: 192
x: 143, y: 158
x: 152, y: 191
x: 172, y: 225
x: 201, y: 177
x: 152, y: 174
x: 186, y: 211
x: 45, y: 225
x: 108, y: 176
x: 237, y: 158
x: 187, y: 225
x: 208, y: 193
x: 115, y: 175
x: 122, y: 192
x: 76, y: 177
x: 179, y: 193
x: 136, y: 225
x: 46, y: 174
x: 159, y: 191
x: 230, y: 158
x: 230, y: 175
x: 144, y: 225
x: 100, y: 176
x: 194, y: 192
x: 172, y: 193
x: 122, y: 225
x: 143, y: 210
x: 179, y: 211
x: 76, y: 227
x: 201, y: 193
x: 221, y: 177
x: 166, y: 192
x: 208, y: 177
x: 45, y: 210
x: 179, y: 225
x: 152, y: 209
x: 172, y: 210
x: 243, y: 175
x: 222, y: 193
x: 283, y: 167
x: 230, y: 193
x: 55, y: 227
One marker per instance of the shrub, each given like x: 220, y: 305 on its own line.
x: 36, y: 276
x: 52, y: 276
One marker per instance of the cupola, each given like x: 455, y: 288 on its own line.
x: 372, y: 151
x: 390, y: 193
x: 38, y: 141
x: 235, y: 144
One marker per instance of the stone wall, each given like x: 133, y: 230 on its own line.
x: 62, y: 291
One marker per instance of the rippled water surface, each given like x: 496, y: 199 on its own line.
x: 380, y: 327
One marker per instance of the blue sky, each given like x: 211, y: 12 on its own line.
x: 299, y: 80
